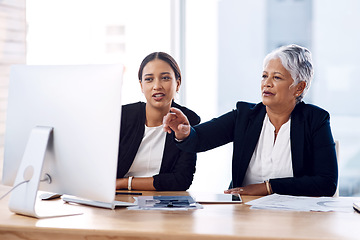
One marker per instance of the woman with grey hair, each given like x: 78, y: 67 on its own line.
x: 281, y: 145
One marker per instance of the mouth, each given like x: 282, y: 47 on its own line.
x: 158, y: 96
x: 267, y: 94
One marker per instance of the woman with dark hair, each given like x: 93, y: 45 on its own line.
x: 148, y: 157
x: 280, y: 145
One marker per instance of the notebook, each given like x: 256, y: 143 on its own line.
x: 111, y: 205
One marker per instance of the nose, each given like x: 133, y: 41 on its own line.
x: 157, y: 84
x: 267, y: 82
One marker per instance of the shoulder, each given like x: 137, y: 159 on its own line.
x: 250, y: 109
x: 133, y: 111
x: 133, y: 106
x: 248, y: 106
x: 312, y: 116
x: 193, y: 118
x: 310, y: 111
x: 244, y: 105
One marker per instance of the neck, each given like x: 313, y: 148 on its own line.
x: 279, y: 117
x: 154, y: 116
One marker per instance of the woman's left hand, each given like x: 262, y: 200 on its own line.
x: 258, y: 189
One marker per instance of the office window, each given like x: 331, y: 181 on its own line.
x: 115, y: 30
x: 96, y: 32
x: 12, y: 51
x: 115, y: 39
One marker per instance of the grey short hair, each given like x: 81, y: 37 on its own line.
x: 297, y: 60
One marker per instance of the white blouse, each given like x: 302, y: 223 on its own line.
x: 270, y: 159
x: 147, y: 161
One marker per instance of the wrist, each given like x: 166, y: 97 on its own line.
x: 181, y: 137
x: 268, y: 187
x: 178, y: 140
x: 129, y: 183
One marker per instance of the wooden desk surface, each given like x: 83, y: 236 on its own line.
x: 216, y: 221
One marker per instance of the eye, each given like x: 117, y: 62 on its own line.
x: 277, y: 78
x: 166, y: 78
x: 264, y: 76
x: 148, y: 79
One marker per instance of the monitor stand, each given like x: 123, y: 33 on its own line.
x: 23, y: 198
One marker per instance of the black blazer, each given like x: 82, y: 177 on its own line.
x: 312, y: 146
x: 177, y: 167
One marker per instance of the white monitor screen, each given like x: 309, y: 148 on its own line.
x: 83, y: 105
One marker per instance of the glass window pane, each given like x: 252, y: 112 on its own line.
x: 97, y: 32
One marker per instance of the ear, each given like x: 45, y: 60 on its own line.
x: 141, y: 86
x: 300, y: 87
x: 178, y: 83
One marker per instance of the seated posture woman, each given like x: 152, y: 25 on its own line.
x: 148, y: 157
x: 280, y: 145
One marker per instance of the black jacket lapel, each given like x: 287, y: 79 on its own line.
x: 251, y: 138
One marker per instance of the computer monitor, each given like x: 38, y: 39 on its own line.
x: 69, y: 116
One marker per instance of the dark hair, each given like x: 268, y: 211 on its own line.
x: 164, y: 57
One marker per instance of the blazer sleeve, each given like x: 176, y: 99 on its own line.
x: 214, y: 133
x: 320, y: 170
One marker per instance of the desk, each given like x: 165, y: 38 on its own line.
x: 227, y: 221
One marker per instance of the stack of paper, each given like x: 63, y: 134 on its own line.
x: 293, y: 203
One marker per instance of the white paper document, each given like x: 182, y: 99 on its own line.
x: 294, y: 203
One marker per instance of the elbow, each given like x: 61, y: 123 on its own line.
x: 328, y: 188
x: 331, y: 189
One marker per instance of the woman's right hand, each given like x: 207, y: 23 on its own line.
x: 176, y: 121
